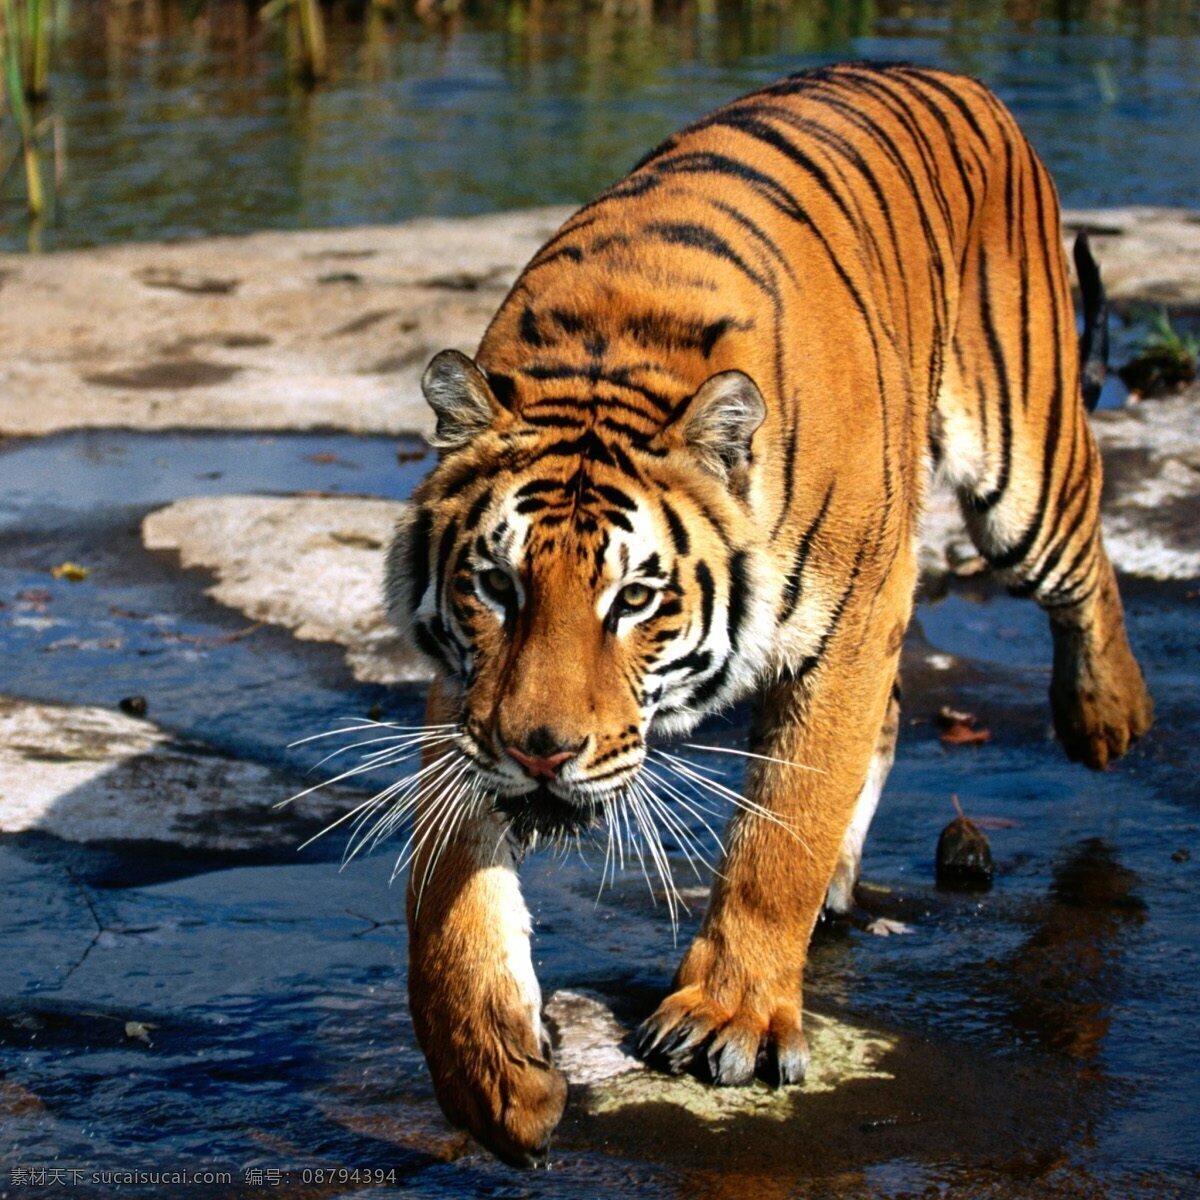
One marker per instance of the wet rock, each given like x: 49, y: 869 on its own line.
x: 312, y: 565
x: 1144, y: 253
x: 92, y: 775
x: 104, y: 337
x: 135, y: 706
x: 590, y: 1049
x: 1152, y: 486
x: 964, y: 856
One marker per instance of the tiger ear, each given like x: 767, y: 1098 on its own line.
x: 458, y: 392
x: 718, y: 424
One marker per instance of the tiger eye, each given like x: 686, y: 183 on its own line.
x: 497, y: 582
x: 635, y: 596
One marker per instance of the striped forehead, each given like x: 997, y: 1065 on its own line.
x: 607, y: 525
x: 580, y: 500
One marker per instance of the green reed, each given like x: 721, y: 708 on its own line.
x: 307, y: 44
x: 14, y: 54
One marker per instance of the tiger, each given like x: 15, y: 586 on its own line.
x: 686, y: 467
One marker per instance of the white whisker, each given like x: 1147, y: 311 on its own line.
x: 366, y: 724
x: 783, y: 762
x: 400, y: 798
x: 682, y: 769
x: 696, y: 807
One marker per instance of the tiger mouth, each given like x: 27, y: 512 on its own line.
x: 542, y: 814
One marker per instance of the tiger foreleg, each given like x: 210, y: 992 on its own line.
x: 840, y: 897
x: 475, y: 1001
x: 737, y: 1003
x: 1097, y: 693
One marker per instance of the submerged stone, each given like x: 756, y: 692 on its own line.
x: 590, y: 1049
x: 964, y: 856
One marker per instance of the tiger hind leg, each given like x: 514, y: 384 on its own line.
x: 840, y: 897
x: 1014, y: 439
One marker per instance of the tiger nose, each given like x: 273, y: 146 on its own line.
x: 540, y: 758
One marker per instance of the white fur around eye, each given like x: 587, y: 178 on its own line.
x: 485, y: 594
x: 612, y: 596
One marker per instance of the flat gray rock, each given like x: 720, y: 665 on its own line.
x: 313, y: 565
x: 309, y: 330
x: 87, y: 774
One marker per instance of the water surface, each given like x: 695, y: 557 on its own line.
x: 177, y: 127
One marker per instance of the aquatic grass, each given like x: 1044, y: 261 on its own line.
x: 36, y: 49
x: 306, y: 39
x: 12, y: 55
x: 1163, y: 360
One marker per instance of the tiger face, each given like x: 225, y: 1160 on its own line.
x: 579, y: 591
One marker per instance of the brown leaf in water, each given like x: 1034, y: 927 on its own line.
x: 961, y: 728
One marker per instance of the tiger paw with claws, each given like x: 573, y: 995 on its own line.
x: 725, y: 1026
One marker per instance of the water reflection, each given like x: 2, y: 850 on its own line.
x: 184, y: 119
x: 1065, y: 978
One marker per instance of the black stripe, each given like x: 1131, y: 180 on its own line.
x: 595, y: 373
x: 477, y: 509
x: 812, y: 661
x: 528, y: 329
x: 954, y: 97
x: 679, y: 534
x: 697, y: 662
x: 418, y: 557
x: 737, y: 597
x: 700, y: 237
x: 445, y: 545
x: 1020, y: 550
x: 999, y: 366
x: 667, y: 331
x: 747, y: 120
x: 710, y: 688
x: 708, y: 591
x: 615, y: 496
x: 503, y: 389
x: 791, y: 587
x: 553, y: 421
x: 536, y: 486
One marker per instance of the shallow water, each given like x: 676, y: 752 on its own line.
x: 1047, y: 1031
x: 176, y: 126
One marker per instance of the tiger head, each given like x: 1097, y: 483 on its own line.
x: 581, y: 581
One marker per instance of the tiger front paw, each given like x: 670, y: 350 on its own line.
x: 726, y: 1043
x: 496, y: 1079
x: 1099, y: 699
